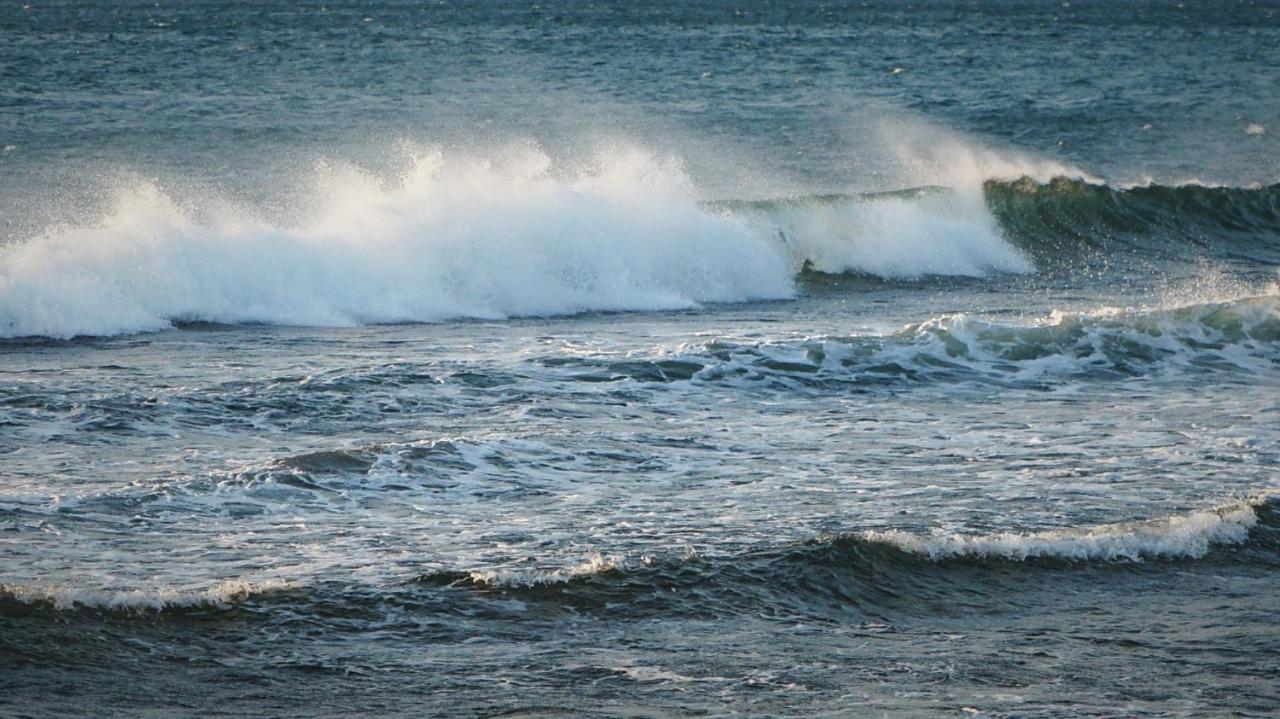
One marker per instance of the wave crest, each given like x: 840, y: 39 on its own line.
x: 1187, y: 536
x: 513, y: 234
x: 1238, y: 335
x: 880, y: 572
x: 221, y: 596
x: 907, y: 234
x: 456, y: 238
x: 1062, y: 215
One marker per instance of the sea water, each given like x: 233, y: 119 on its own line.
x: 674, y: 359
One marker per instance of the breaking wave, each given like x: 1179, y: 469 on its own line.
x: 905, y: 234
x: 515, y: 234
x: 1049, y: 218
x: 1238, y: 335
x: 878, y: 572
x: 455, y: 238
x: 1188, y: 536
x: 882, y: 573
x: 464, y: 237
x: 224, y: 595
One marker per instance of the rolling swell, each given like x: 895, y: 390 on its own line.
x: 16, y: 600
x: 493, y: 238
x: 881, y: 574
x: 1070, y: 216
x: 942, y: 231
x: 1235, y: 336
x: 886, y: 572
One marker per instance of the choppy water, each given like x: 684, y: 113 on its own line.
x: 692, y: 359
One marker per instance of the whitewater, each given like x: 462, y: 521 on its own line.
x: 481, y: 238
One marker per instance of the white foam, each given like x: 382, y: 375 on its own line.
x: 1186, y: 536
x: 155, y: 599
x: 946, y: 233
x: 1176, y: 336
x: 949, y: 233
x: 658, y: 674
x: 594, y: 564
x: 1231, y: 334
x: 457, y: 237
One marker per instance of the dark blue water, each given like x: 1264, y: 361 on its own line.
x: 692, y: 359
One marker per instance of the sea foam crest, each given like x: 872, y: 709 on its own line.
x: 455, y: 238
x: 63, y: 598
x: 1239, y: 334
x: 1185, y: 536
x: 899, y: 235
x: 592, y: 565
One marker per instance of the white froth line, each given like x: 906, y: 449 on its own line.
x: 1188, y: 536
x: 222, y: 595
x: 596, y: 564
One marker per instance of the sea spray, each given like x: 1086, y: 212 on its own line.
x: 457, y: 238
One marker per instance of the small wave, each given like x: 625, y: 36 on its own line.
x: 338, y: 479
x: 879, y: 572
x: 1189, y: 536
x: 221, y: 596
x: 420, y: 458
x: 524, y: 578
x: 1237, y: 335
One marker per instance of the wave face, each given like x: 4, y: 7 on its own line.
x: 1046, y: 218
x: 456, y: 238
x: 1240, y: 335
x: 1019, y: 225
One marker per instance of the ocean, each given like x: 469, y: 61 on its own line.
x: 664, y: 359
